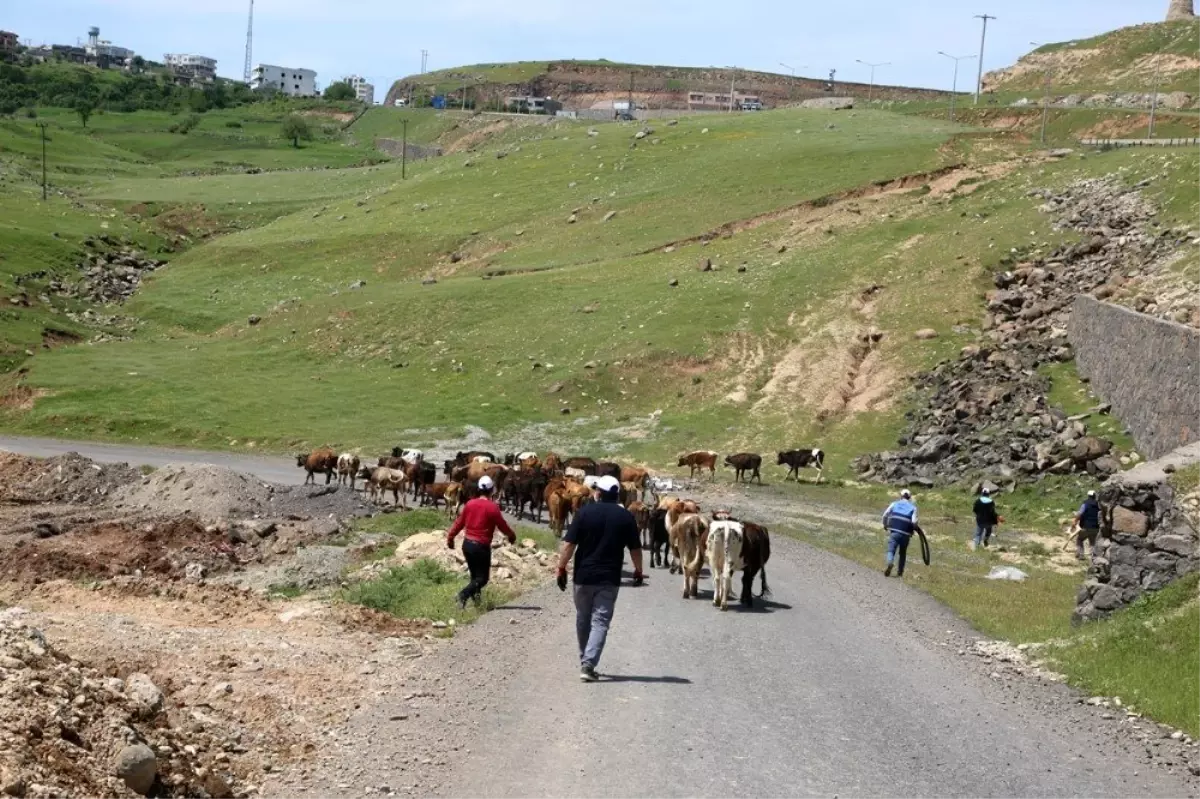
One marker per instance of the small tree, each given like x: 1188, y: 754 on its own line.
x: 84, y: 108
x: 339, y: 91
x: 295, y: 128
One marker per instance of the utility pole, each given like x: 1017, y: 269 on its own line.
x: 629, y: 108
x: 982, y: 42
x: 404, y: 150
x: 732, y: 79
x: 954, y: 84
x: 424, y: 60
x: 871, y: 88
x: 1154, y: 98
x: 42, y: 125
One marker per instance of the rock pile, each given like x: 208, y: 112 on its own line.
x: 984, y: 414
x: 523, y: 562
x: 107, y: 277
x: 1148, y: 538
x: 70, y: 730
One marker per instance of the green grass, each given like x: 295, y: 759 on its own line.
x: 1119, y: 60
x: 425, y: 125
x: 402, y: 525
x: 422, y: 590
x: 1148, y: 654
x: 285, y: 591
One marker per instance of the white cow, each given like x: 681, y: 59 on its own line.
x: 412, y: 455
x: 724, y: 558
x: 347, y: 468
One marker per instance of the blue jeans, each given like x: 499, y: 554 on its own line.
x: 983, y: 532
x: 594, y: 606
x: 898, y: 542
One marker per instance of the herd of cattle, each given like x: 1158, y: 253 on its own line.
x: 672, y: 529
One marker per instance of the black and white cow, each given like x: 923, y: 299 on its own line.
x: 797, y: 459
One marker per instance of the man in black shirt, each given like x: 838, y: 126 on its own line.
x: 597, y: 540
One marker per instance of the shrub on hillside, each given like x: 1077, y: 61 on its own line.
x: 295, y: 128
x: 233, y: 123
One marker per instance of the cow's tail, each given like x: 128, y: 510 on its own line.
x: 765, y: 590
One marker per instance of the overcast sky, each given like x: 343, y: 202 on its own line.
x: 383, y: 39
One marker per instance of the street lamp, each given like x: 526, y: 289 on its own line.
x: 793, y: 80
x: 954, y: 85
x: 871, y: 89
x: 982, y: 41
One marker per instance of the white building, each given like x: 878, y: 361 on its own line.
x: 196, y: 68
x: 292, y: 81
x: 364, y: 92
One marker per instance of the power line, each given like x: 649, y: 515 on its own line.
x: 871, y: 88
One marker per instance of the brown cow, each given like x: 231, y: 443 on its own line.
x: 587, y: 465
x: 641, y: 515
x: 553, y: 463
x: 699, y: 461
x: 743, y: 462
x: 437, y: 492
x: 609, y: 469
x: 630, y: 493
x: 319, y: 460
x: 632, y: 474
x: 756, y: 551
x: 689, y: 540
x: 382, y: 480
x: 347, y: 469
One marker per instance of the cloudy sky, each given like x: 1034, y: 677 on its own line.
x: 383, y: 39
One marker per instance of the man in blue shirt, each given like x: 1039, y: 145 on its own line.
x: 986, y: 518
x: 1088, y: 523
x: 597, y: 540
x: 900, y: 522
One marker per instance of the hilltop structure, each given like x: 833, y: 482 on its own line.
x: 1180, y: 9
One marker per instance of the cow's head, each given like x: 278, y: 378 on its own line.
x: 365, y: 472
x: 682, y: 460
x: 728, y: 460
x: 302, y: 458
x: 779, y: 459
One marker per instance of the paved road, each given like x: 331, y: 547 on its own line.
x: 271, y: 469
x: 848, y: 684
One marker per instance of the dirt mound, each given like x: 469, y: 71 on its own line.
x: 68, y: 729
x: 112, y: 548
x: 212, y: 493
x: 64, y: 478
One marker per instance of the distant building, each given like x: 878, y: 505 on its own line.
x: 8, y: 43
x: 103, y: 52
x: 191, y: 69
x: 292, y: 81
x: 719, y: 101
x: 532, y: 105
x: 364, y: 92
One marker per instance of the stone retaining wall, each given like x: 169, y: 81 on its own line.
x: 1148, y: 535
x: 1149, y: 369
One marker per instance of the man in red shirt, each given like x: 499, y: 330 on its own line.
x: 479, y: 517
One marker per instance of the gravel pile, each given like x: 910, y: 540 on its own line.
x: 64, y: 478
x: 216, y: 494
x: 70, y: 730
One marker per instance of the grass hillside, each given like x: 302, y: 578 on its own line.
x: 1121, y: 60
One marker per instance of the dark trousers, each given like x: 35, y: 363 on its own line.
x: 479, y: 564
x: 898, y: 546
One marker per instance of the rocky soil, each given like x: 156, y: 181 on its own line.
x: 984, y: 415
x: 109, y: 273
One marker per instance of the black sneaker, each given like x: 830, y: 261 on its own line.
x: 888, y: 571
x: 588, y: 674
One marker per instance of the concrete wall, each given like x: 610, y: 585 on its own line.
x: 1149, y: 369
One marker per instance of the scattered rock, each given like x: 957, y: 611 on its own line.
x: 705, y: 265
x: 925, y: 334
x: 254, y: 319
x: 673, y: 282
x: 137, y: 767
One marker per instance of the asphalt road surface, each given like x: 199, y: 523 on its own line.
x: 845, y: 683
x: 271, y: 469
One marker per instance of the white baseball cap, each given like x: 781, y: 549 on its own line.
x: 607, y: 484
x: 906, y: 494
x: 1091, y: 493
x: 485, y: 483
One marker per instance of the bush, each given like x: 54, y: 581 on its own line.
x: 186, y: 124
x: 31, y: 113
x: 233, y: 123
